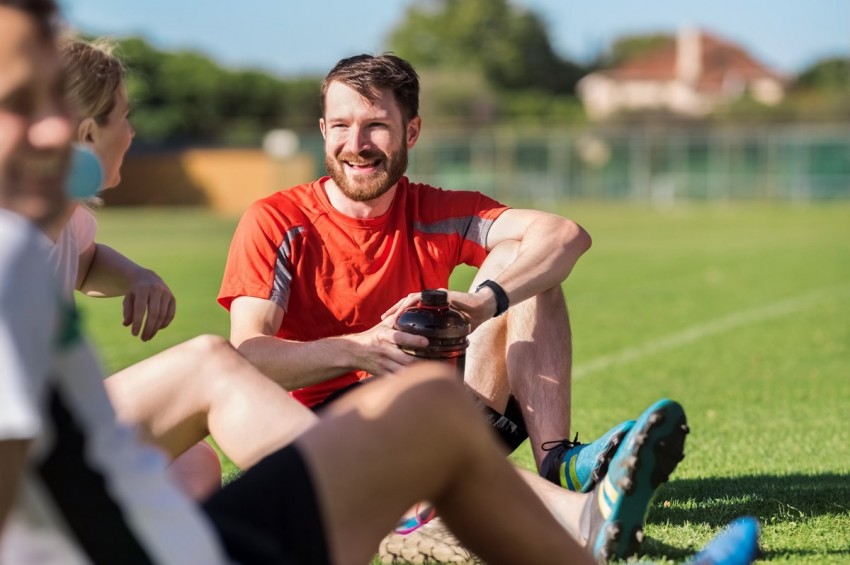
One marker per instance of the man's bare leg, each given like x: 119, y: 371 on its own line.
x: 535, y: 338
x: 445, y: 453
x: 201, y: 387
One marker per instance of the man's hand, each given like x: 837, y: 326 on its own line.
x: 377, y: 350
x: 149, y: 295
x: 477, y: 307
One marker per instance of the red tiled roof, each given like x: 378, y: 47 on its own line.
x: 720, y: 59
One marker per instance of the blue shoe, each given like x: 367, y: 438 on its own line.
x: 738, y: 544
x: 579, y: 466
x: 613, y: 517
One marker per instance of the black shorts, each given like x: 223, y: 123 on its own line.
x: 510, y: 426
x: 335, y: 395
x: 270, y: 514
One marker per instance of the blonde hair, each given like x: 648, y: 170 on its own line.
x: 93, y: 76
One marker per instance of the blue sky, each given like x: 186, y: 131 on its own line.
x: 292, y: 37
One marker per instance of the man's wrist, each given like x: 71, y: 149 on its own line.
x: 502, y: 300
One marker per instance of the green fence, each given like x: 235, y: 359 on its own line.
x: 660, y: 164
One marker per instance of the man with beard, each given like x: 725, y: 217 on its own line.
x: 317, y: 273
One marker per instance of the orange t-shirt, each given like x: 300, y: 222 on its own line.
x: 335, y: 275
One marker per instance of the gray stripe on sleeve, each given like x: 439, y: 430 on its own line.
x: 283, y: 268
x: 470, y: 228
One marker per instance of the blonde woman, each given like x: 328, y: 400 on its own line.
x: 97, y: 93
x: 198, y: 387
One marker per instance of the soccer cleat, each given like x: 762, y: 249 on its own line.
x: 736, y: 545
x: 579, y: 466
x: 613, y: 516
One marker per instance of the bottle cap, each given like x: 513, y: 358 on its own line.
x: 431, y: 297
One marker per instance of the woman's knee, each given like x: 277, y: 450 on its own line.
x: 433, y: 393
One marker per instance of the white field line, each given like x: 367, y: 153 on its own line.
x: 701, y: 331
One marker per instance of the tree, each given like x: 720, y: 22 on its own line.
x: 186, y: 97
x: 631, y: 47
x: 829, y: 74
x: 508, y: 44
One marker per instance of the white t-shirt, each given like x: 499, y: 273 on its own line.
x: 91, y: 490
x: 76, y: 236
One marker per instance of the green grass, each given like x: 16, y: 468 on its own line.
x: 740, y: 312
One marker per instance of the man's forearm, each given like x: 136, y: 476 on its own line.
x: 295, y: 364
x: 546, y: 257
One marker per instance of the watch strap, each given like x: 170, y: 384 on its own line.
x: 502, y: 300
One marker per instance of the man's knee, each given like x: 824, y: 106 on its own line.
x: 553, y: 299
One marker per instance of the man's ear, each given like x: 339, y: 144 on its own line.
x: 414, y: 127
x: 322, y: 127
x: 87, y: 131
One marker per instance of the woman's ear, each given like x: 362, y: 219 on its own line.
x: 87, y: 131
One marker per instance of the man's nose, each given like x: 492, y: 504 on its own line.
x: 358, y: 139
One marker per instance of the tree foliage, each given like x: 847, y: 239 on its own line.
x: 631, y: 47
x: 481, y: 62
x: 508, y: 44
x: 830, y: 74
x: 186, y: 97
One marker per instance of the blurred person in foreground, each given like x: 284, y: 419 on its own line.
x: 75, y: 487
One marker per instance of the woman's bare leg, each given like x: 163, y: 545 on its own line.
x: 201, y: 387
x: 197, y: 471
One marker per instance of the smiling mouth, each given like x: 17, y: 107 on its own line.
x: 362, y: 165
x: 43, y: 168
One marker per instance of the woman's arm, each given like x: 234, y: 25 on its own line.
x: 105, y: 272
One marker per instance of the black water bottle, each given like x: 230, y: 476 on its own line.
x: 445, y: 328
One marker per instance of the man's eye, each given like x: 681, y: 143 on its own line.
x: 18, y: 103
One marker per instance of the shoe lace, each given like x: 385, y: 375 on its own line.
x: 556, y: 443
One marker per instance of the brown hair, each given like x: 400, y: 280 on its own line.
x: 44, y: 12
x: 93, y: 74
x: 368, y: 74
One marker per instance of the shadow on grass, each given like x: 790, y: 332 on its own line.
x: 655, y: 549
x: 772, y: 499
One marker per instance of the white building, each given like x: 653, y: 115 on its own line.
x: 688, y: 77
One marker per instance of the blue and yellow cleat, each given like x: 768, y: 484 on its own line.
x: 614, y: 515
x: 579, y: 466
x: 738, y: 544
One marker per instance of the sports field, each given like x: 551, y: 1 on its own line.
x: 740, y: 311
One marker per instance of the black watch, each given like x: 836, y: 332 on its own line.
x: 502, y: 300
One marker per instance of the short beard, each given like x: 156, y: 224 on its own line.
x: 375, y: 185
